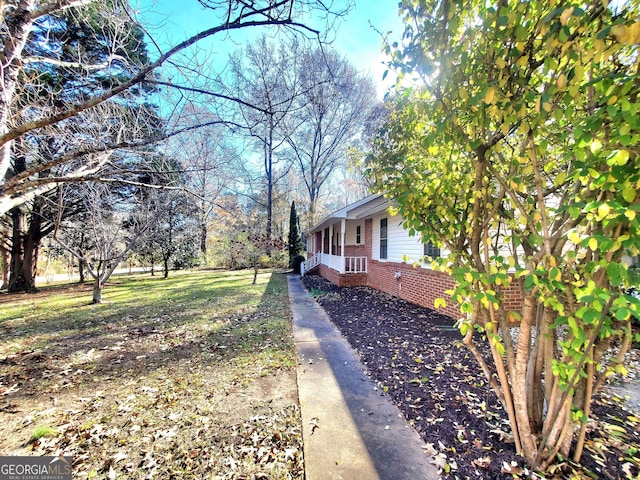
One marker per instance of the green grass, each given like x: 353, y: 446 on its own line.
x: 165, y: 375
x: 42, y: 432
x: 317, y: 293
x: 194, y: 298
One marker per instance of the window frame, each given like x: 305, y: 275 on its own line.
x: 431, y: 251
x: 384, y: 240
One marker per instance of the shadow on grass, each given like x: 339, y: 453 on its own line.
x: 206, y: 318
x: 69, y: 307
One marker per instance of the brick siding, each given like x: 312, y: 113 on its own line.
x: 415, y: 284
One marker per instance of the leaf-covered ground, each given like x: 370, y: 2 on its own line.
x: 416, y: 357
x: 188, y: 377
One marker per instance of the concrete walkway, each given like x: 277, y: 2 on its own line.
x: 350, y: 430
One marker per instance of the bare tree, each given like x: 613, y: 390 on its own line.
x: 331, y: 110
x: 209, y: 163
x: 112, y: 231
x: 21, y: 17
x: 265, y: 76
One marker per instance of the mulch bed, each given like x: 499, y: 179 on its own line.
x: 416, y: 356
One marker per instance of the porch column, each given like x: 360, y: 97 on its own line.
x: 331, y: 239
x: 322, y: 244
x: 343, y: 234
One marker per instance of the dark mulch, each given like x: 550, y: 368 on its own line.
x: 416, y: 356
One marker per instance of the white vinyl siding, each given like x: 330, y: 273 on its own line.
x: 399, y: 243
x: 351, y: 233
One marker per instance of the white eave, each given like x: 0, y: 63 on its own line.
x: 361, y: 209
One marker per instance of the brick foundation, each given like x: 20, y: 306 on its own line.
x: 343, y: 280
x: 416, y: 285
x: 421, y: 286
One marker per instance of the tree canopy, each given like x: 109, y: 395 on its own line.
x: 512, y: 142
x: 19, y: 19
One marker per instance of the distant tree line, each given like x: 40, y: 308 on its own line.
x: 104, y: 156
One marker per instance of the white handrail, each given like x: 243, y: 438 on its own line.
x: 355, y: 264
x: 310, y: 263
x: 350, y: 265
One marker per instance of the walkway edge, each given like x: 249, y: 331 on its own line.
x: 350, y: 431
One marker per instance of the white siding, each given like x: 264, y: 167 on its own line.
x: 400, y: 246
x: 351, y: 233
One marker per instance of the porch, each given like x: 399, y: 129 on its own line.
x: 340, y: 263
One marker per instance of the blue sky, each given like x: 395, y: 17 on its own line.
x: 171, y: 21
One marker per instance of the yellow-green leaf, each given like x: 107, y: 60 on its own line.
x: 629, y: 194
x: 620, y: 157
x: 603, y: 210
x: 564, y: 17
x: 560, y: 178
x: 439, y: 302
x: 489, y: 95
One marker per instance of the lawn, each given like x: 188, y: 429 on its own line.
x: 187, y: 377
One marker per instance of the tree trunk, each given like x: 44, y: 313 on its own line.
x: 311, y: 214
x: 81, y: 271
x: 97, y: 290
x: 255, y: 274
x: 16, y: 279
x: 81, y: 262
x: 203, y: 241
x: 30, y: 262
x: 25, y: 252
x: 6, y: 259
x: 519, y: 383
x: 269, y: 171
x: 18, y: 31
x: 165, y: 265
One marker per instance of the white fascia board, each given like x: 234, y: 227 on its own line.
x: 351, y: 211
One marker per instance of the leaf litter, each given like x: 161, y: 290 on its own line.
x: 161, y: 394
x: 416, y: 357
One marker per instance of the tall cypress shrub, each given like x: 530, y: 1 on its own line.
x: 295, y: 238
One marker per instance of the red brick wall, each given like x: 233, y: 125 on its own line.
x: 345, y: 280
x: 353, y: 280
x: 330, y: 274
x: 512, y: 297
x: 423, y: 285
x: 416, y: 285
x: 354, y: 251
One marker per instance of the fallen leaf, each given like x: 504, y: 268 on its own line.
x: 314, y: 424
x: 482, y: 462
x: 119, y: 456
x: 429, y: 449
x: 440, y: 461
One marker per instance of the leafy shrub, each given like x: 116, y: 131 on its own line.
x: 296, y: 261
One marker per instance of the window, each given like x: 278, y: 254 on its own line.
x: 383, y: 238
x: 359, y: 235
x: 430, y: 250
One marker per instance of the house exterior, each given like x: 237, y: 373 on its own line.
x: 362, y: 245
